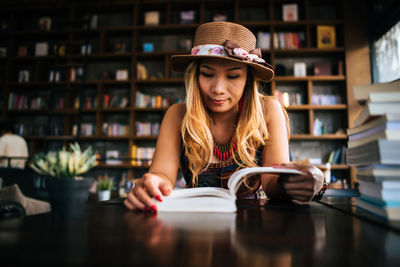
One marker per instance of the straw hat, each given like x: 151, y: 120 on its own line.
x: 226, y: 40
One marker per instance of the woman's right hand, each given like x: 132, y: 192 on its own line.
x: 151, y: 186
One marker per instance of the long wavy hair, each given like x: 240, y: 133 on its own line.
x: 251, y: 131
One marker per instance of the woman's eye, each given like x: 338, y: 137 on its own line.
x: 233, y: 76
x: 206, y: 74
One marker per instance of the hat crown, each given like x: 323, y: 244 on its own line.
x: 218, y: 32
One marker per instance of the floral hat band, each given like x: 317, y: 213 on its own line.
x: 229, y: 49
x: 227, y: 40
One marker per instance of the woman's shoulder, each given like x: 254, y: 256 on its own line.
x: 270, y: 105
x: 177, y: 110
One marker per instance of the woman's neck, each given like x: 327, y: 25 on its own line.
x: 223, y: 125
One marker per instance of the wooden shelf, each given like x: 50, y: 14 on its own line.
x: 310, y: 78
x: 316, y: 107
x: 145, y: 137
x: 127, y: 26
x: 120, y: 166
x: 150, y: 109
x: 318, y: 137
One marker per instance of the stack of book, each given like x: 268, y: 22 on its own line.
x: 374, y: 148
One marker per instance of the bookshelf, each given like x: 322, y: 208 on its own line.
x: 115, y: 35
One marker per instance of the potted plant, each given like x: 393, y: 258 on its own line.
x: 68, y: 190
x: 104, y: 187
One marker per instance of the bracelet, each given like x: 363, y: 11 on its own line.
x: 321, y: 192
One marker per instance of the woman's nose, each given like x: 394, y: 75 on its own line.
x: 219, y: 85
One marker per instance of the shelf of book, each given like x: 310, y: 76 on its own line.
x: 121, y: 166
x: 318, y: 137
x: 116, y: 36
x: 315, y: 107
x: 310, y: 78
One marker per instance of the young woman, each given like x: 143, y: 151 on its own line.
x: 225, y: 124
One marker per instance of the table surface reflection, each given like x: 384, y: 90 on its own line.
x: 273, y: 234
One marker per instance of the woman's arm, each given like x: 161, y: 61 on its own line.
x: 161, y: 178
x: 276, y: 151
x: 296, y: 187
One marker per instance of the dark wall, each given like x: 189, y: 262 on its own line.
x: 382, y: 15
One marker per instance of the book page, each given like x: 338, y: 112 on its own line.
x: 238, y: 177
x: 200, y: 191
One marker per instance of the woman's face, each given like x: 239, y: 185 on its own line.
x: 221, y: 83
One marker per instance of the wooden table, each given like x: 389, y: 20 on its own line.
x: 274, y: 234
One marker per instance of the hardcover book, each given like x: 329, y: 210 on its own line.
x: 390, y: 120
x: 326, y: 36
x: 372, y: 110
x: 152, y: 18
x: 213, y: 199
x: 362, y: 92
x: 383, y: 131
x: 380, y: 151
x: 289, y: 12
x: 41, y: 49
x: 322, y: 68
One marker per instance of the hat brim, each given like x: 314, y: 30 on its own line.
x: 180, y: 63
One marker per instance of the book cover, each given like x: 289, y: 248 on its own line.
x: 300, y: 69
x: 121, y: 75
x: 264, y: 40
x: 113, y: 157
x: 382, y: 131
x: 380, y: 170
x: 322, y: 68
x: 371, y: 110
x: 213, y: 199
x: 385, y: 119
x: 290, y: 12
x: 389, y: 213
x: 22, y: 51
x: 326, y: 36
x: 384, y: 96
x: 41, y: 49
x: 187, y: 16
x: 152, y: 18
x: 379, y: 151
x: 44, y: 24
x: 361, y: 92
x: 377, y: 178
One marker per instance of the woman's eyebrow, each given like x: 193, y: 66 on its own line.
x: 230, y: 69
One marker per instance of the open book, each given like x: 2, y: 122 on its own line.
x: 213, y: 199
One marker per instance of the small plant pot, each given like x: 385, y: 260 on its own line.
x: 104, y: 195
x: 68, y: 197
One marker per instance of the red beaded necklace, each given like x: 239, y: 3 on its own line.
x: 224, y: 151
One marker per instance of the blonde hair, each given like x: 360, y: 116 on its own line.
x: 251, y: 131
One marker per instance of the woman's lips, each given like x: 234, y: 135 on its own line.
x: 218, y: 101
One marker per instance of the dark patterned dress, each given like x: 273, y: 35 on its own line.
x: 218, y: 174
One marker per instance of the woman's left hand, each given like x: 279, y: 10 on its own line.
x: 302, y: 187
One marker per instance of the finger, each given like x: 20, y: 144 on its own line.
x: 302, y: 185
x: 300, y: 198
x: 128, y: 205
x: 299, y: 193
x: 152, y: 188
x: 143, y: 196
x: 295, y: 178
x: 133, y: 201
x: 165, y: 189
x: 301, y: 201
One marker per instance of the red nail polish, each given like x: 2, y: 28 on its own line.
x: 158, y: 198
x: 154, y: 208
x: 146, y: 208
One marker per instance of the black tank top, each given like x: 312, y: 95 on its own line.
x: 218, y: 174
